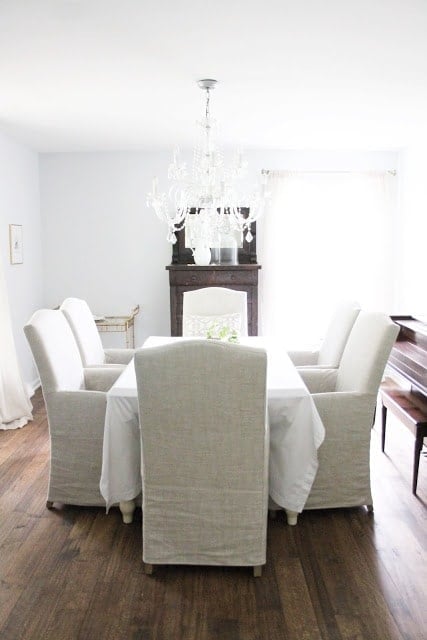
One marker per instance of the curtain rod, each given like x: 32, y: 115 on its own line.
x: 267, y: 172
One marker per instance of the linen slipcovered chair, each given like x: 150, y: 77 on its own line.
x: 205, y: 444
x: 88, y: 340
x: 345, y: 399
x: 75, y: 401
x: 332, y: 347
x: 217, y: 306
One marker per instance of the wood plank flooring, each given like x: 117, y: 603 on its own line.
x: 76, y: 573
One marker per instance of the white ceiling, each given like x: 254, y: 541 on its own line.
x: 304, y: 74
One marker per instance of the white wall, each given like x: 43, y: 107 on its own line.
x: 103, y: 244
x: 19, y: 204
x: 101, y: 241
x: 411, y: 284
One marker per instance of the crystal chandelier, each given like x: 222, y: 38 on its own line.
x: 207, y: 200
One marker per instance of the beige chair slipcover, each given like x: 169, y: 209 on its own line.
x: 220, y: 304
x: 89, y: 342
x: 330, y: 351
x: 205, y: 443
x: 345, y: 399
x: 75, y: 401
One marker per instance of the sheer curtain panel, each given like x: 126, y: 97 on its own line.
x: 15, y: 406
x: 327, y: 237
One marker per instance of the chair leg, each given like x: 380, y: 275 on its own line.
x: 148, y: 568
x: 383, y: 424
x: 417, y: 452
x: 127, y: 507
x: 292, y: 517
x: 257, y: 571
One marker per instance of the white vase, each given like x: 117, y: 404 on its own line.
x: 202, y: 255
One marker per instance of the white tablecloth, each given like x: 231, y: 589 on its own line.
x: 296, y: 432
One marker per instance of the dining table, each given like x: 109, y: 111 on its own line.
x: 296, y: 433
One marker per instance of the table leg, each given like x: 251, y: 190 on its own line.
x: 130, y: 337
x: 127, y: 508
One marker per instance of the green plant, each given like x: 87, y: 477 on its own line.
x: 222, y: 332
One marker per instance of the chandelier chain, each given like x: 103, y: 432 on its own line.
x: 207, y: 103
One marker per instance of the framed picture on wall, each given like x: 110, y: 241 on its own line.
x: 16, y: 244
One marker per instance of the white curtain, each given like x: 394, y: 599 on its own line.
x: 326, y: 238
x: 15, y: 406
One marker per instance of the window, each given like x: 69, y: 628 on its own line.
x: 326, y: 237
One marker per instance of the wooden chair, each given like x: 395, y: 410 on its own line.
x: 346, y: 399
x: 83, y: 326
x: 76, y: 401
x: 205, y: 443
x: 214, y: 305
x: 330, y: 352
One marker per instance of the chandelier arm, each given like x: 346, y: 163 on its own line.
x: 210, y: 189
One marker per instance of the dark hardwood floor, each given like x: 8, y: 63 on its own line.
x: 76, y: 573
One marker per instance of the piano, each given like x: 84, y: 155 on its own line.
x: 409, y: 355
x: 408, y: 359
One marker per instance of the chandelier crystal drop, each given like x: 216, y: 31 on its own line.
x: 207, y: 200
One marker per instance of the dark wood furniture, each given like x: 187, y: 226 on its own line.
x: 184, y: 275
x: 181, y: 254
x: 409, y: 359
x: 411, y: 409
x: 187, y: 277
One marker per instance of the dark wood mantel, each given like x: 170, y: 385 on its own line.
x: 187, y: 277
